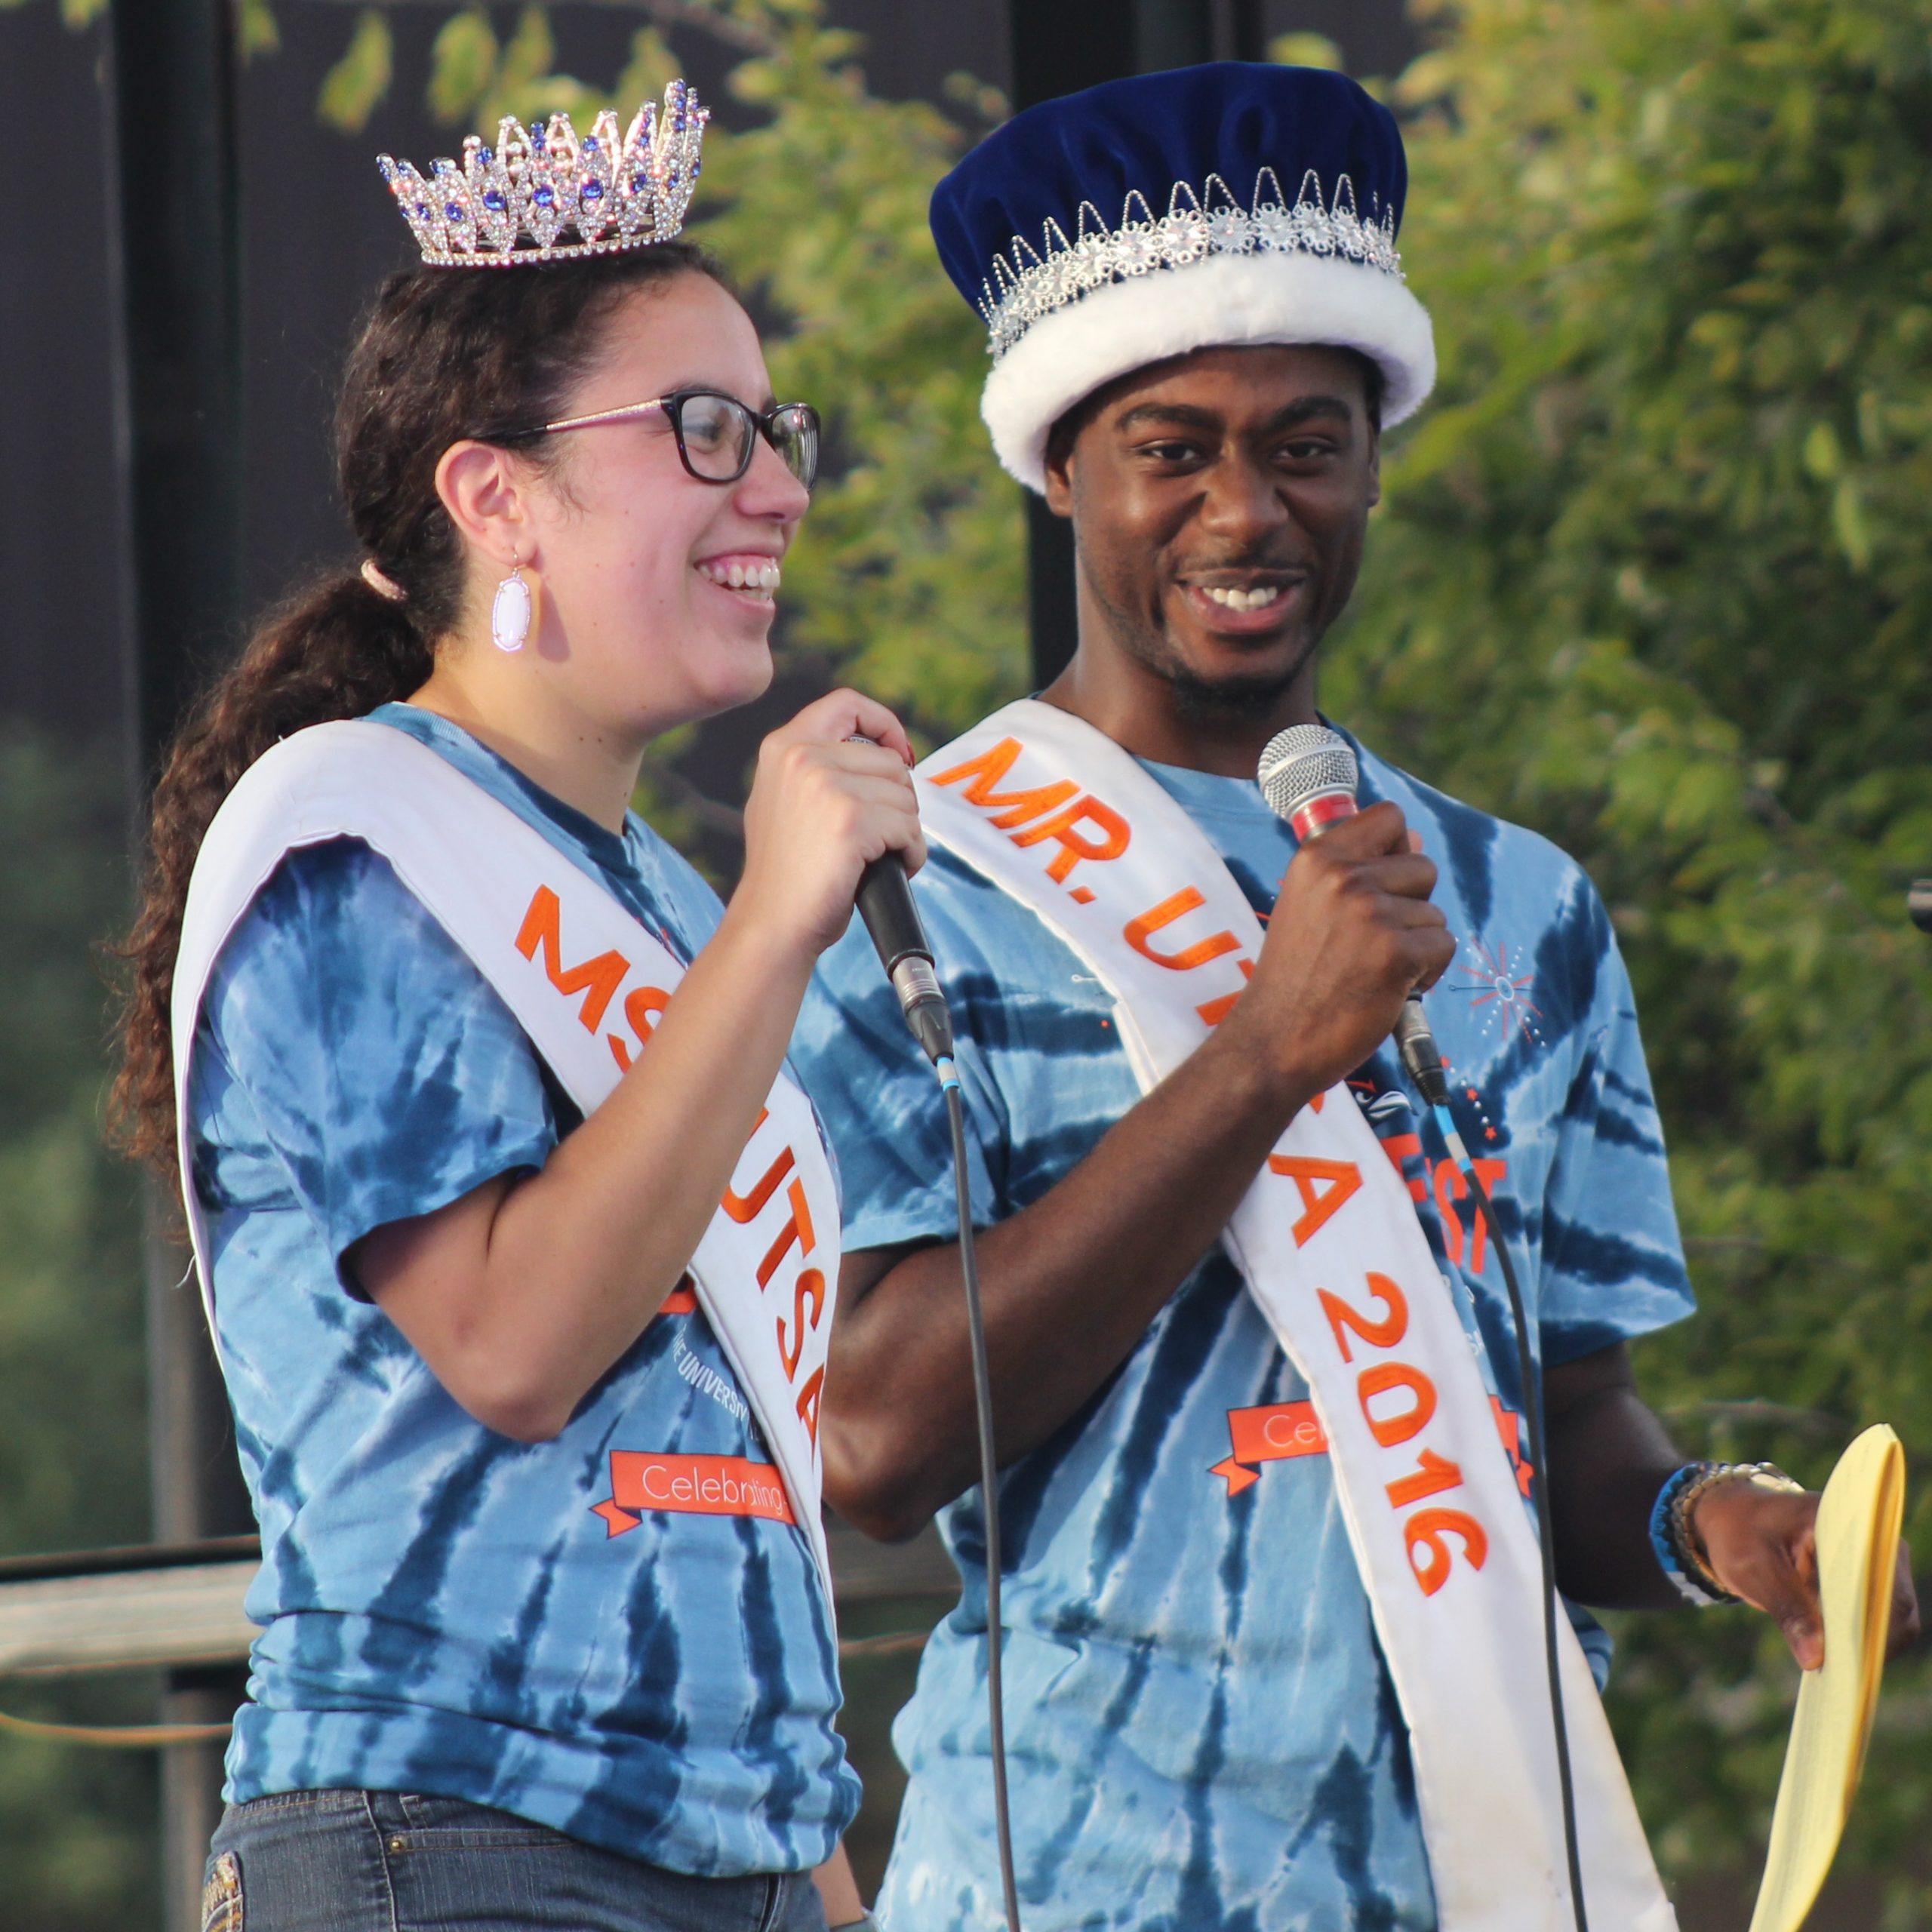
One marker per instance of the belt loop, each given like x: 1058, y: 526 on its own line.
x: 389, y: 1820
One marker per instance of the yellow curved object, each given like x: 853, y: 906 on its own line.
x: 1858, y: 1519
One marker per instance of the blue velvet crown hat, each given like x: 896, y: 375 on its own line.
x: 1144, y: 218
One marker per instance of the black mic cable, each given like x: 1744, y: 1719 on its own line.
x: 969, y: 1268
x: 1308, y: 774
x: 1526, y: 1376
x: 885, y: 900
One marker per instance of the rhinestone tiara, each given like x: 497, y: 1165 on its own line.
x: 1026, y: 284
x: 511, y: 204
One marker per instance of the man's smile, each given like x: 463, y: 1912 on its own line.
x: 1243, y: 603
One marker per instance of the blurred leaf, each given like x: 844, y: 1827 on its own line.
x: 1848, y: 522
x: 358, y: 83
x: 525, y: 83
x: 462, y: 65
x: 256, y: 33
x: 652, y: 68
x: 532, y: 50
x: 986, y: 105
x: 1305, y: 50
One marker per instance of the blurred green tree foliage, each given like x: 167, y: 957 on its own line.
x: 1652, y: 577
x: 77, y: 1828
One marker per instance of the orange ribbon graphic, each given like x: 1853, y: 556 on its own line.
x: 690, y: 1486
x: 1271, y: 1434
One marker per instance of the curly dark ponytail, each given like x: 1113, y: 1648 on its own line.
x: 446, y: 353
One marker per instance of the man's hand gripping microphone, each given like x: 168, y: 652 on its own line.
x: 1308, y: 774
x: 885, y: 900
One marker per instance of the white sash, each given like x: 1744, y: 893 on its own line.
x: 1063, y: 820
x: 586, y: 982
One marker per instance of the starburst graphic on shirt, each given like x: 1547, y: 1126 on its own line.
x: 1500, y: 995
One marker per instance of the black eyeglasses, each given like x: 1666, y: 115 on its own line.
x: 717, y: 433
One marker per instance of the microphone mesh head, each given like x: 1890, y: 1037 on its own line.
x: 1304, y: 762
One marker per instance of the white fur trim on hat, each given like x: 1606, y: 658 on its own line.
x: 1226, y: 299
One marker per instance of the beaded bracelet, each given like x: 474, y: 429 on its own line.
x: 1680, y: 1552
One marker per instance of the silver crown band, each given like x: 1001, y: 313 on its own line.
x: 513, y: 203
x: 1027, y: 285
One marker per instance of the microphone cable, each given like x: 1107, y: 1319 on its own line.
x: 1435, y: 1092
x: 885, y: 902
x: 982, y: 1395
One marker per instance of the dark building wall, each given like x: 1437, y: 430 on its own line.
x: 320, y: 235
x: 59, y: 637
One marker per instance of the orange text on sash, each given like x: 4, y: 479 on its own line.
x: 797, y: 1238
x: 1398, y: 1400
x: 1139, y: 934
x: 689, y: 1486
x: 1057, y: 811
x: 1085, y: 828
x: 599, y: 980
x: 596, y: 978
x: 1323, y: 1186
x: 1191, y: 957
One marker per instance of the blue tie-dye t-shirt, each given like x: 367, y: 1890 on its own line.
x: 444, y: 1611
x: 1202, y: 1734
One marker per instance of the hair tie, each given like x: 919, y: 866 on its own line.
x: 383, y: 586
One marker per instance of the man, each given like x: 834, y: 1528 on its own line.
x: 1272, y: 1617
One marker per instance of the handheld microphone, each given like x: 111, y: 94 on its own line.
x: 885, y: 900
x: 1308, y: 774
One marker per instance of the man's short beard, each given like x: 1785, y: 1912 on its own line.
x: 1237, y: 699
x: 1228, y: 701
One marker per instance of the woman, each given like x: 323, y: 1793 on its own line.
x: 530, y: 1421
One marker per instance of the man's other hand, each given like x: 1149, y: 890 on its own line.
x: 1762, y: 1544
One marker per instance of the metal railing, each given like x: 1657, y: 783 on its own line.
x: 171, y: 1606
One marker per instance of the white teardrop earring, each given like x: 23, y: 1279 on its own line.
x: 513, y: 614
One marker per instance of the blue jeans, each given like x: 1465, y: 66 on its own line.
x: 379, y: 1861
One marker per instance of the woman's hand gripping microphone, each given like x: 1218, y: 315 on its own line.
x: 833, y: 793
